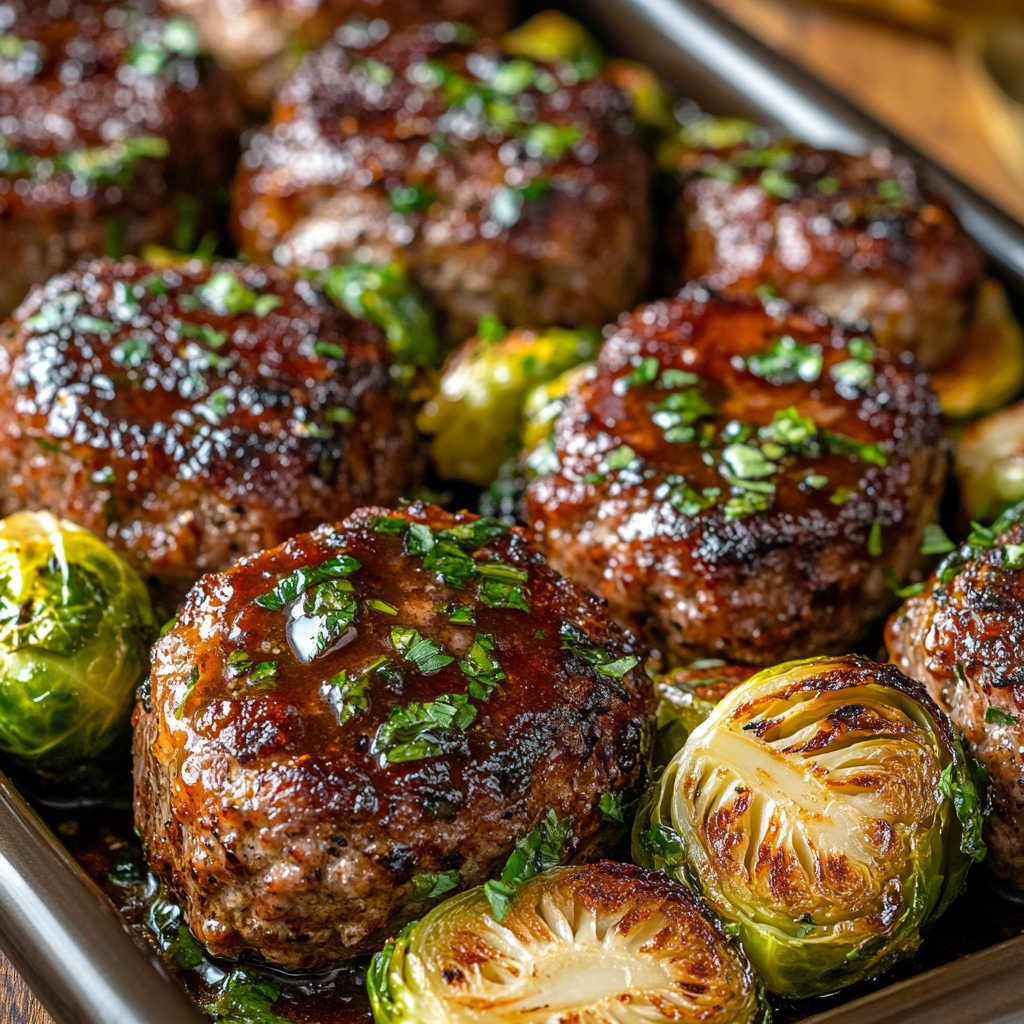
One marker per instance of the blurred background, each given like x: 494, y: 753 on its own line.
x: 946, y: 74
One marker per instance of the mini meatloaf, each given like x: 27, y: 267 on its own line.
x: 192, y: 416
x: 739, y: 480
x: 256, y: 41
x: 341, y: 728
x: 112, y: 133
x: 963, y: 638
x: 859, y: 237
x: 507, y: 187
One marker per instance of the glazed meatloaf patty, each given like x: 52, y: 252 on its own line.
x: 112, y: 133
x: 963, y: 638
x: 506, y: 187
x: 738, y: 480
x: 857, y: 236
x: 376, y: 705
x: 192, y: 416
x: 256, y: 41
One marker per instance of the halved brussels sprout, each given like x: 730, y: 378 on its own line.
x: 476, y: 415
x: 603, y: 943
x: 826, y: 810
x: 686, y: 696
x: 989, y: 367
x: 74, y: 625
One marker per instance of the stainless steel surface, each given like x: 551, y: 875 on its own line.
x: 68, y: 942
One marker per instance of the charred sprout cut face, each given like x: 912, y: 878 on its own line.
x: 74, y: 621
x: 476, y: 416
x: 604, y: 943
x: 817, y: 809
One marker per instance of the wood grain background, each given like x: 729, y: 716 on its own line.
x: 912, y: 84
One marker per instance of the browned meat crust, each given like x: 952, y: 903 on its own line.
x: 279, y: 813
x: 256, y: 41
x: 859, y: 237
x: 668, y: 502
x: 530, y: 204
x: 963, y: 638
x: 109, y: 123
x: 184, y: 437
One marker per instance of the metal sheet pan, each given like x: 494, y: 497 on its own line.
x: 58, y: 928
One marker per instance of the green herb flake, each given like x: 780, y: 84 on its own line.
x: 289, y: 588
x: 392, y: 526
x: 890, y: 192
x: 415, y: 731
x: 481, y: 668
x: 612, y: 807
x: 266, y: 304
x: 539, y: 851
x: 619, y: 458
x: 245, y: 997
x: 842, y: 445
x: 339, y: 415
x: 460, y: 614
x: 193, y: 678
x: 431, y: 884
x: 997, y: 716
x: 328, y: 349
x: 687, y: 502
x: 602, y: 661
x: 427, y: 655
x: 748, y: 463
x: 476, y: 533
x: 411, y: 198
x: 550, y: 142
x: 383, y: 607
x: 787, y: 361
x: 226, y: 295
x: 875, y: 540
x: 347, y: 691
x: 495, y: 594
x: 935, y: 541
x: 828, y: 186
x: 852, y: 377
x: 861, y: 348
x: 645, y: 373
x: 815, y: 481
x: 490, y: 328
x: 1013, y: 556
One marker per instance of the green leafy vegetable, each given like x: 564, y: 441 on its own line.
x: 539, y: 851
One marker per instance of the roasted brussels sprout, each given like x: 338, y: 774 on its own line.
x: 74, y: 621
x: 989, y: 367
x: 686, y: 696
x: 476, y: 416
x: 606, y: 943
x: 542, y: 407
x: 827, y: 811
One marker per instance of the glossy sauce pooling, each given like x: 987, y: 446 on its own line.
x: 236, y: 376
x: 297, y: 721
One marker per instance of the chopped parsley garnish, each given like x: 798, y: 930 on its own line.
x: 481, y: 668
x: 747, y: 463
x: 935, y: 541
x: 1013, y: 556
x: 603, y: 662
x: 852, y: 377
x: 619, y: 458
x: 476, y: 533
x: 393, y: 526
x: 612, y: 807
x: 541, y: 850
x: 490, y: 328
x: 777, y: 184
x: 288, y: 589
x: 262, y: 674
x: 382, y: 606
x: 347, y: 690
x: 665, y: 843
x: 842, y: 445
x: 787, y: 361
x: 861, y: 348
x: 507, y: 202
x: 329, y: 349
x: 678, y: 379
x: 226, y: 295
x: 460, y: 614
x: 687, y: 502
x: 411, y: 198
x: 427, y: 655
x: 739, y: 506
x: 550, y: 142
x: 875, y: 540
x: 677, y: 413
x: 193, y: 678
x: 215, y: 339
x: 339, y: 415
x: 416, y: 731
x: 435, y: 883
x: 331, y: 603
x: 132, y: 352
x: 997, y: 716
x: 645, y: 373
x: 890, y: 192
x: 496, y: 594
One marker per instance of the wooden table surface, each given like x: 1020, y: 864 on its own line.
x: 910, y: 83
